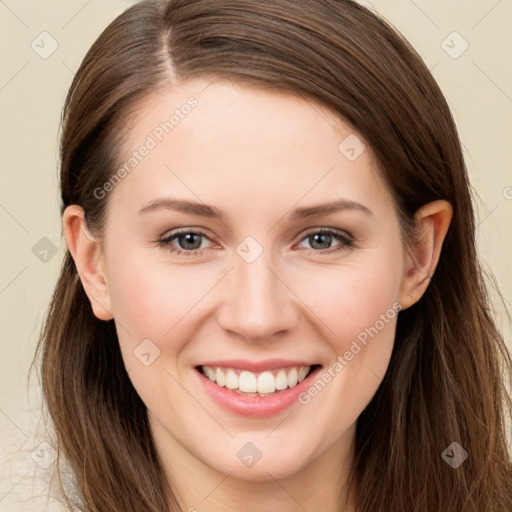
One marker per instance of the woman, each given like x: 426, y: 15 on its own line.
x: 271, y: 299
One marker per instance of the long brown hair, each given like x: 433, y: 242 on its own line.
x: 449, y: 370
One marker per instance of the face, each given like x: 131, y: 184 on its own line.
x: 251, y: 246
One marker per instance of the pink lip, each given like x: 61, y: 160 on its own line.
x: 261, y: 366
x: 255, y: 406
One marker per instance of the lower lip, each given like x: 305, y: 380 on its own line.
x: 256, y: 406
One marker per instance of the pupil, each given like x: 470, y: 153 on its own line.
x: 189, y: 239
x: 326, y: 242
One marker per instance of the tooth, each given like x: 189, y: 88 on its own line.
x: 281, y: 380
x: 303, y: 372
x: 266, y: 383
x: 292, y: 377
x: 247, y: 382
x: 220, y: 377
x: 231, y: 380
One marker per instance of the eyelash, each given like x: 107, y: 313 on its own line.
x: 347, y: 242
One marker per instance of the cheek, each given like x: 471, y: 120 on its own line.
x: 151, y: 303
x: 165, y: 304
x: 353, y: 297
x: 148, y: 297
x: 359, y: 309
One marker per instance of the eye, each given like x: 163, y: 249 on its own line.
x: 188, y: 242
x: 322, y: 239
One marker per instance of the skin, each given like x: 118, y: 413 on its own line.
x: 256, y: 155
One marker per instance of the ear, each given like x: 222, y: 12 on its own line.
x: 431, y: 225
x: 89, y: 260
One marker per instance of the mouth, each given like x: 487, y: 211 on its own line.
x: 257, y: 384
x: 256, y: 390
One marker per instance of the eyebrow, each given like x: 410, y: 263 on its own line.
x: 205, y: 210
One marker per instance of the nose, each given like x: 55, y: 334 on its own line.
x: 258, y: 303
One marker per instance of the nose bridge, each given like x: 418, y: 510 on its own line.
x: 257, y: 303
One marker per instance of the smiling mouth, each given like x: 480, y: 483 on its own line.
x: 266, y: 383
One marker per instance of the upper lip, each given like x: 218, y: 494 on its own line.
x: 257, y: 366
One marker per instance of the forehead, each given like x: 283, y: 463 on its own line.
x: 219, y: 105
x: 206, y: 138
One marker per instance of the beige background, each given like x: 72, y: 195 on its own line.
x: 477, y: 83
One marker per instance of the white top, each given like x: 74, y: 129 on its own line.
x: 28, y: 464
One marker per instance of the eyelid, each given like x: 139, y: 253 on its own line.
x: 171, y: 235
x: 326, y: 230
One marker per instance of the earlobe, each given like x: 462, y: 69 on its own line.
x: 432, y: 222
x: 89, y: 259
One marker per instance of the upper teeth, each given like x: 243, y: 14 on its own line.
x: 249, y: 382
